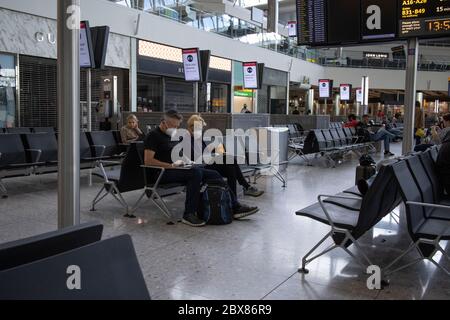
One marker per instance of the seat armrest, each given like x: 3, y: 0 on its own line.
x: 160, y: 175
x: 35, y: 154
x: 98, y: 150
x: 428, y: 205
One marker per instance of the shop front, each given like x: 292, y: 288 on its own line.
x: 161, y: 85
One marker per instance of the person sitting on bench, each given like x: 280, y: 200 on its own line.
x: 232, y: 172
x: 443, y: 159
x: 352, y: 121
x: 381, y: 134
x: 158, y: 152
x: 131, y: 132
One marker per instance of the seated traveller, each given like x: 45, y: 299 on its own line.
x: 131, y: 132
x: 352, y: 121
x: 232, y: 172
x: 443, y: 160
x: 158, y: 152
x: 381, y: 134
x: 389, y: 126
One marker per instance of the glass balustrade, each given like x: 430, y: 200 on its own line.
x: 183, y: 11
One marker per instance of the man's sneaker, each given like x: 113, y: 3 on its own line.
x: 193, y: 221
x: 388, y: 154
x: 252, y: 191
x: 243, y: 211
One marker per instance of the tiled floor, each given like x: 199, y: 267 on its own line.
x: 252, y: 259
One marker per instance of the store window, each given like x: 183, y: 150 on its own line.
x: 278, y: 100
x: 7, y: 91
x: 149, y: 93
x: 214, y: 97
x: 178, y: 95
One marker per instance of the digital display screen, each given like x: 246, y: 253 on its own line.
x: 86, y: 53
x: 424, y: 18
x: 191, y: 64
x: 311, y: 22
x: 325, y: 88
x: 344, y: 30
x: 250, y: 75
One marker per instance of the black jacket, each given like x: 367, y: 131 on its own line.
x: 443, y: 163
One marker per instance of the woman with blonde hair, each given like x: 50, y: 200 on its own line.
x: 232, y: 172
x: 131, y: 132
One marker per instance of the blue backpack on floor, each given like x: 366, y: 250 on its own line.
x: 216, y: 205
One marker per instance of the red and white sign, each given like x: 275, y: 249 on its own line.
x: 324, y: 88
x: 191, y: 64
x: 359, y: 95
x: 250, y: 75
x: 346, y: 92
x: 292, y: 28
x: 85, y: 50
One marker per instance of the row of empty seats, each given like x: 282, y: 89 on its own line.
x: 21, y: 130
x: 331, y: 144
x: 336, y: 125
x: 412, y: 180
x: 37, y: 153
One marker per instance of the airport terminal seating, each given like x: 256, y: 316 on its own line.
x: 24, y: 154
x: 335, y: 125
x: 427, y: 211
x: 16, y: 253
x: 132, y: 176
x: 331, y: 144
x: 351, y: 216
x: 411, y: 180
x: 43, y: 267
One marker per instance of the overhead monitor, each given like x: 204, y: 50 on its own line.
x: 424, y: 18
x: 325, y: 88
x: 191, y: 63
x: 311, y: 22
x: 292, y: 28
x: 378, y: 20
x: 86, y: 47
x: 345, y: 92
x: 250, y: 75
x: 100, y: 39
x: 343, y: 22
x: 359, y: 95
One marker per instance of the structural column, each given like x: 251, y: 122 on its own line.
x: 68, y: 91
x: 410, y: 95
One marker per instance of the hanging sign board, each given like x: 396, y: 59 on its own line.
x: 292, y: 28
x: 250, y: 75
x: 359, y: 95
x: 346, y: 92
x: 191, y: 64
x: 325, y: 88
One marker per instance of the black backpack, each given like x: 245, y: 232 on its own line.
x: 215, y: 205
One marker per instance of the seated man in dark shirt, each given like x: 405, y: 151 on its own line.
x: 381, y: 134
x: 158, y: 152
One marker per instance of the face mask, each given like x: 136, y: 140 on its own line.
x: 171, y: 132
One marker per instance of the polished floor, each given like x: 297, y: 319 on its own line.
x: 256, y: 258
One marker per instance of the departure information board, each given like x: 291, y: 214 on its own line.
x: 424, y: 18
x: 329, y: 23
x: 312, y: 22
